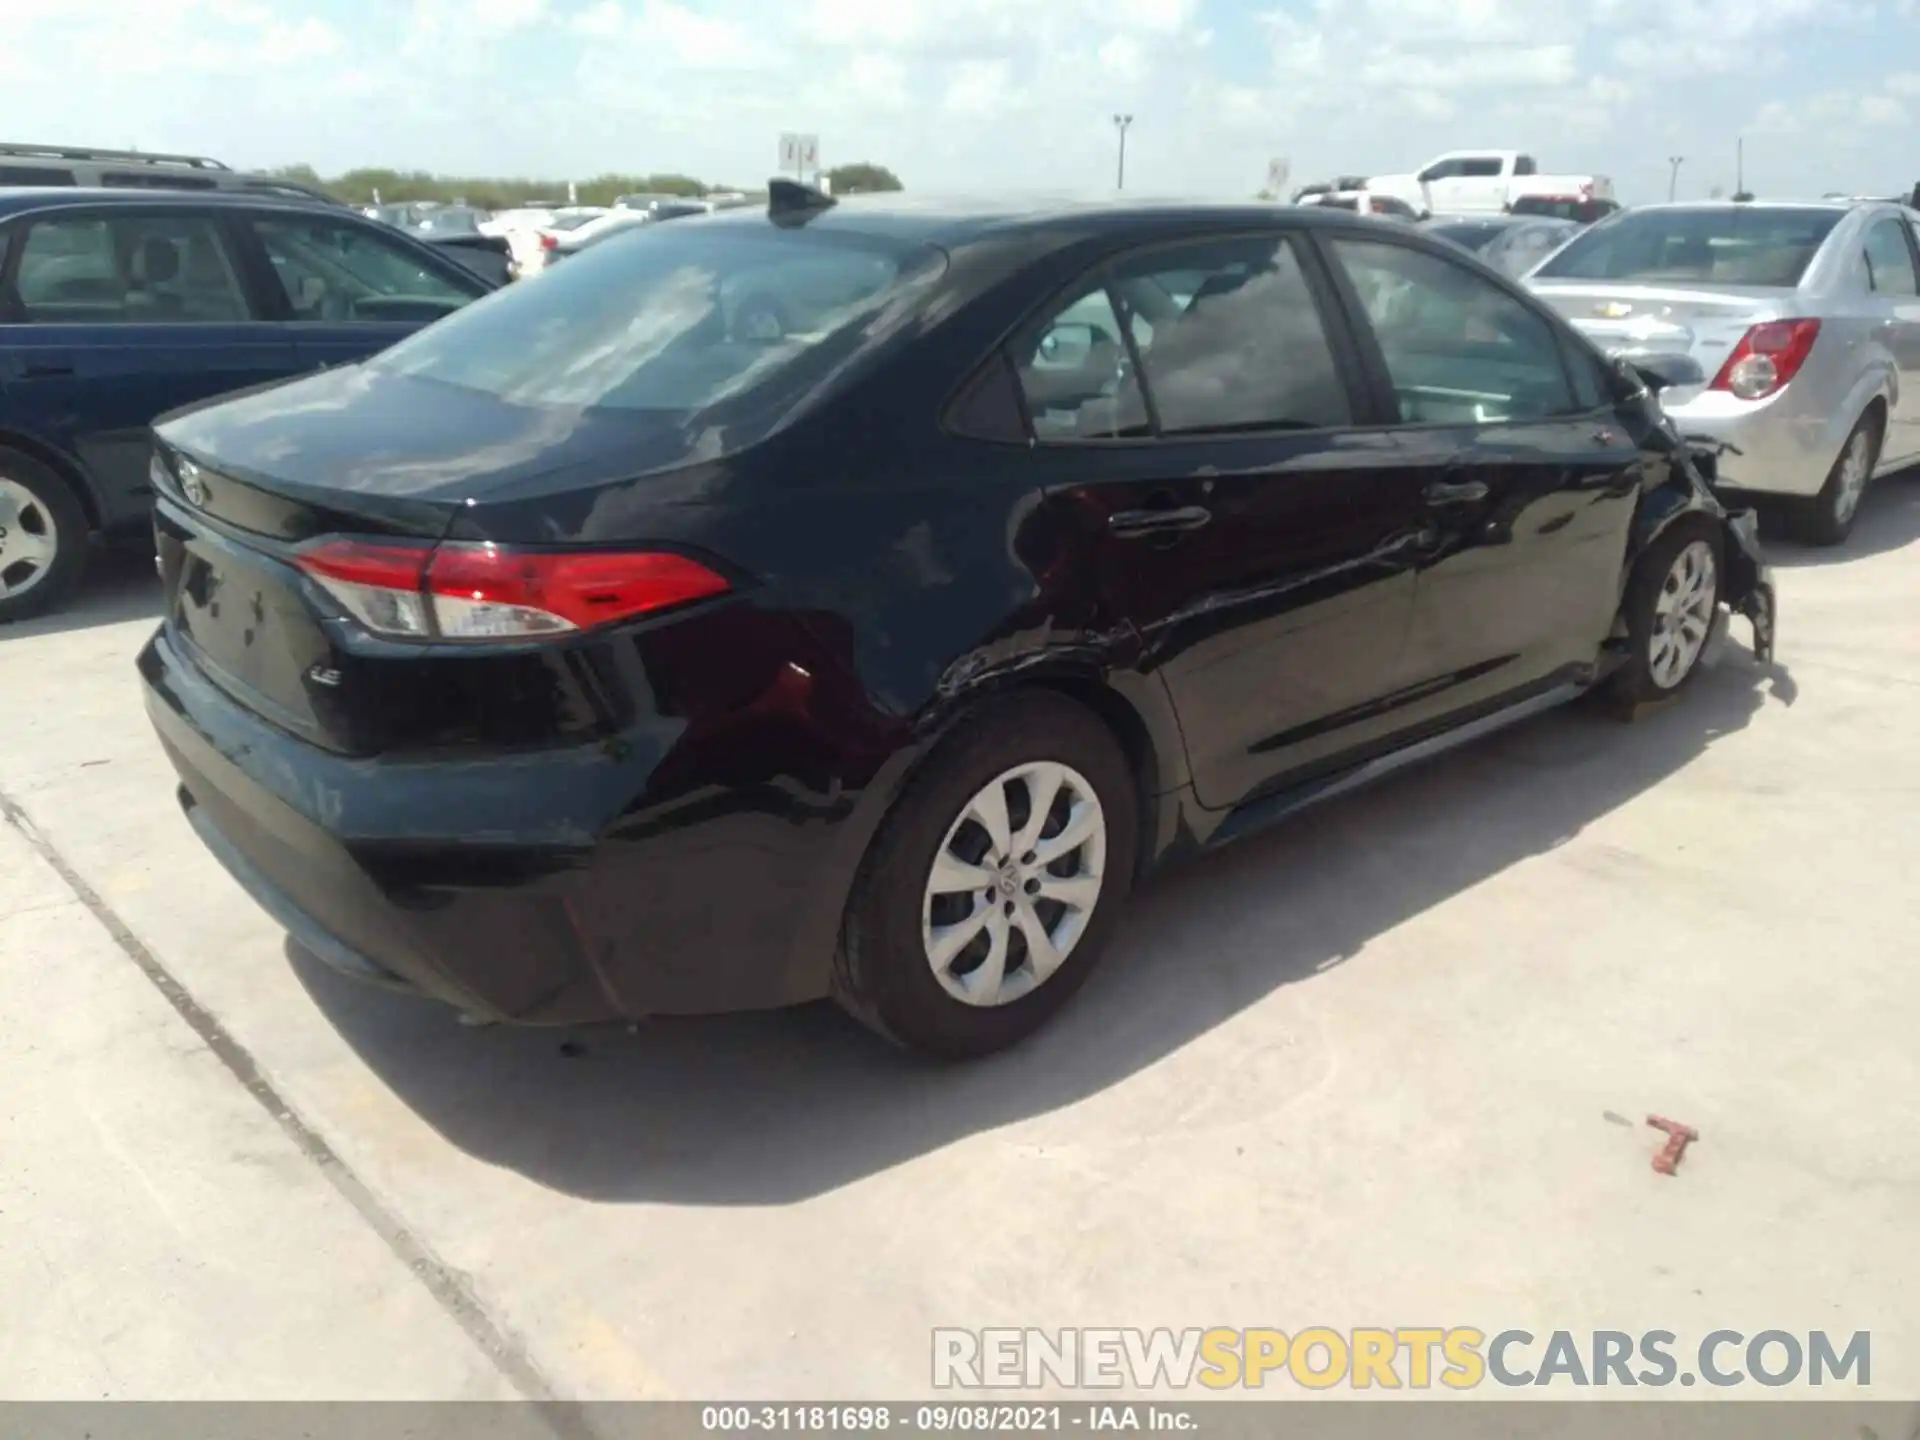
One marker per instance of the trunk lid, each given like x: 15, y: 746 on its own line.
x: 245, y: 482
x: 394, y: 452
x: 1660, y: 319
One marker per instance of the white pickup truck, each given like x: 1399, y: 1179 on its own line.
x: 1481, y: 182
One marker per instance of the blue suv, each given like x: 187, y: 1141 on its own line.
x: 119, y: 305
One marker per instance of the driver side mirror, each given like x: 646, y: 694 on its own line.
x: 1068, y: 346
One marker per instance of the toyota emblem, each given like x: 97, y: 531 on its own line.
x: 191, y: 483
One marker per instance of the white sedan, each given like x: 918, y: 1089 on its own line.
x: 530, y: 233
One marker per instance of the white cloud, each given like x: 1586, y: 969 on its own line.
x: 978, y: 94
x: 1838, y: 117
x: 1125, y: 59
x: 1882, y: 110
x: 498, y: 15
x: 978, y: 88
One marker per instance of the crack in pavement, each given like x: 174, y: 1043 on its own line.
x: 506, y: 1351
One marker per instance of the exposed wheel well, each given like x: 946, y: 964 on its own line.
x: 59, y: 465
x: 1114, y: 711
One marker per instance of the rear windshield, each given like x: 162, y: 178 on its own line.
x: 670, y: 319
x: 1735, y: 245
x: 1469, y: 234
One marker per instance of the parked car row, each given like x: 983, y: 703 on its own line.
x: 1470, y: 184
x: 1480, y: 182
x: 1804, y: 318
x: 119, y: 304
x: 858, y: 598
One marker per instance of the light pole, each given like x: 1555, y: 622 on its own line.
x: 1673, y: 175
x: 1120, y: 123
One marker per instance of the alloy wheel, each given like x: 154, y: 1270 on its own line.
x: 1014, y: 884
x: 29, y: 539
x: 1682, y: 615
x: 1856, y: 468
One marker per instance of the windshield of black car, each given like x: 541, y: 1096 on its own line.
x: 1726, y: 245
x: 674, y: 318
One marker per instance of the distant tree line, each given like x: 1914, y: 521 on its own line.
x: 359, y: 187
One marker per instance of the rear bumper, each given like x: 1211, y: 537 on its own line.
x: 1785, y: 445
x: 527, y: 888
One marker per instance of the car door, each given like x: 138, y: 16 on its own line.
x: 1202, y: 457
x: 1895, y: 281
x: 1483, y: 183
x: 115, y: 315
x: 1528, y: 482
x: 1440, y: 182
x: 350, y: 288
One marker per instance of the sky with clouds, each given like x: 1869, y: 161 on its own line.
x: 967, y: 95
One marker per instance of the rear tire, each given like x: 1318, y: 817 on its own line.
x: 1671, y: 606
x: 1828, y: 518
x: 975, y: 956
x: 43, y: 537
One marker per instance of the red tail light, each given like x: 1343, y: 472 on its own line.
x: 1767, y: 358
x: 549, y: 242
x: 492, y: 592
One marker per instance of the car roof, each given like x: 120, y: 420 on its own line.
x: 1723, y: 206
x: 946, y: 221
x: 17, y: 198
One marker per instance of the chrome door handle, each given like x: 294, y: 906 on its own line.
x: 1131, y: 524
x: 1461, y: 492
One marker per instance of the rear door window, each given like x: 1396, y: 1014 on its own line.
x: 1077, y: 374
x: 1228, y: 338
x: 34, y: 175
x: 334, y: 270
x: 137, y: 269
x: 1247, y: 351
x: 156, y: 180
x: 1890, y: 259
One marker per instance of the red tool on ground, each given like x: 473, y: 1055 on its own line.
x: 1679, y: 1136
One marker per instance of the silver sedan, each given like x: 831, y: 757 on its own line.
x: 1804, y: 317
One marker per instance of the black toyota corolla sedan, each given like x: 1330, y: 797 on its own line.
x: 857, y: 599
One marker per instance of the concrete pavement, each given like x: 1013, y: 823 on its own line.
x: 1385, y: 1066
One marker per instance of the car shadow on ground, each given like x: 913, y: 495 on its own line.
x: 119, y: 584
x: 1889, y: 520
x: 768, y: 1108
